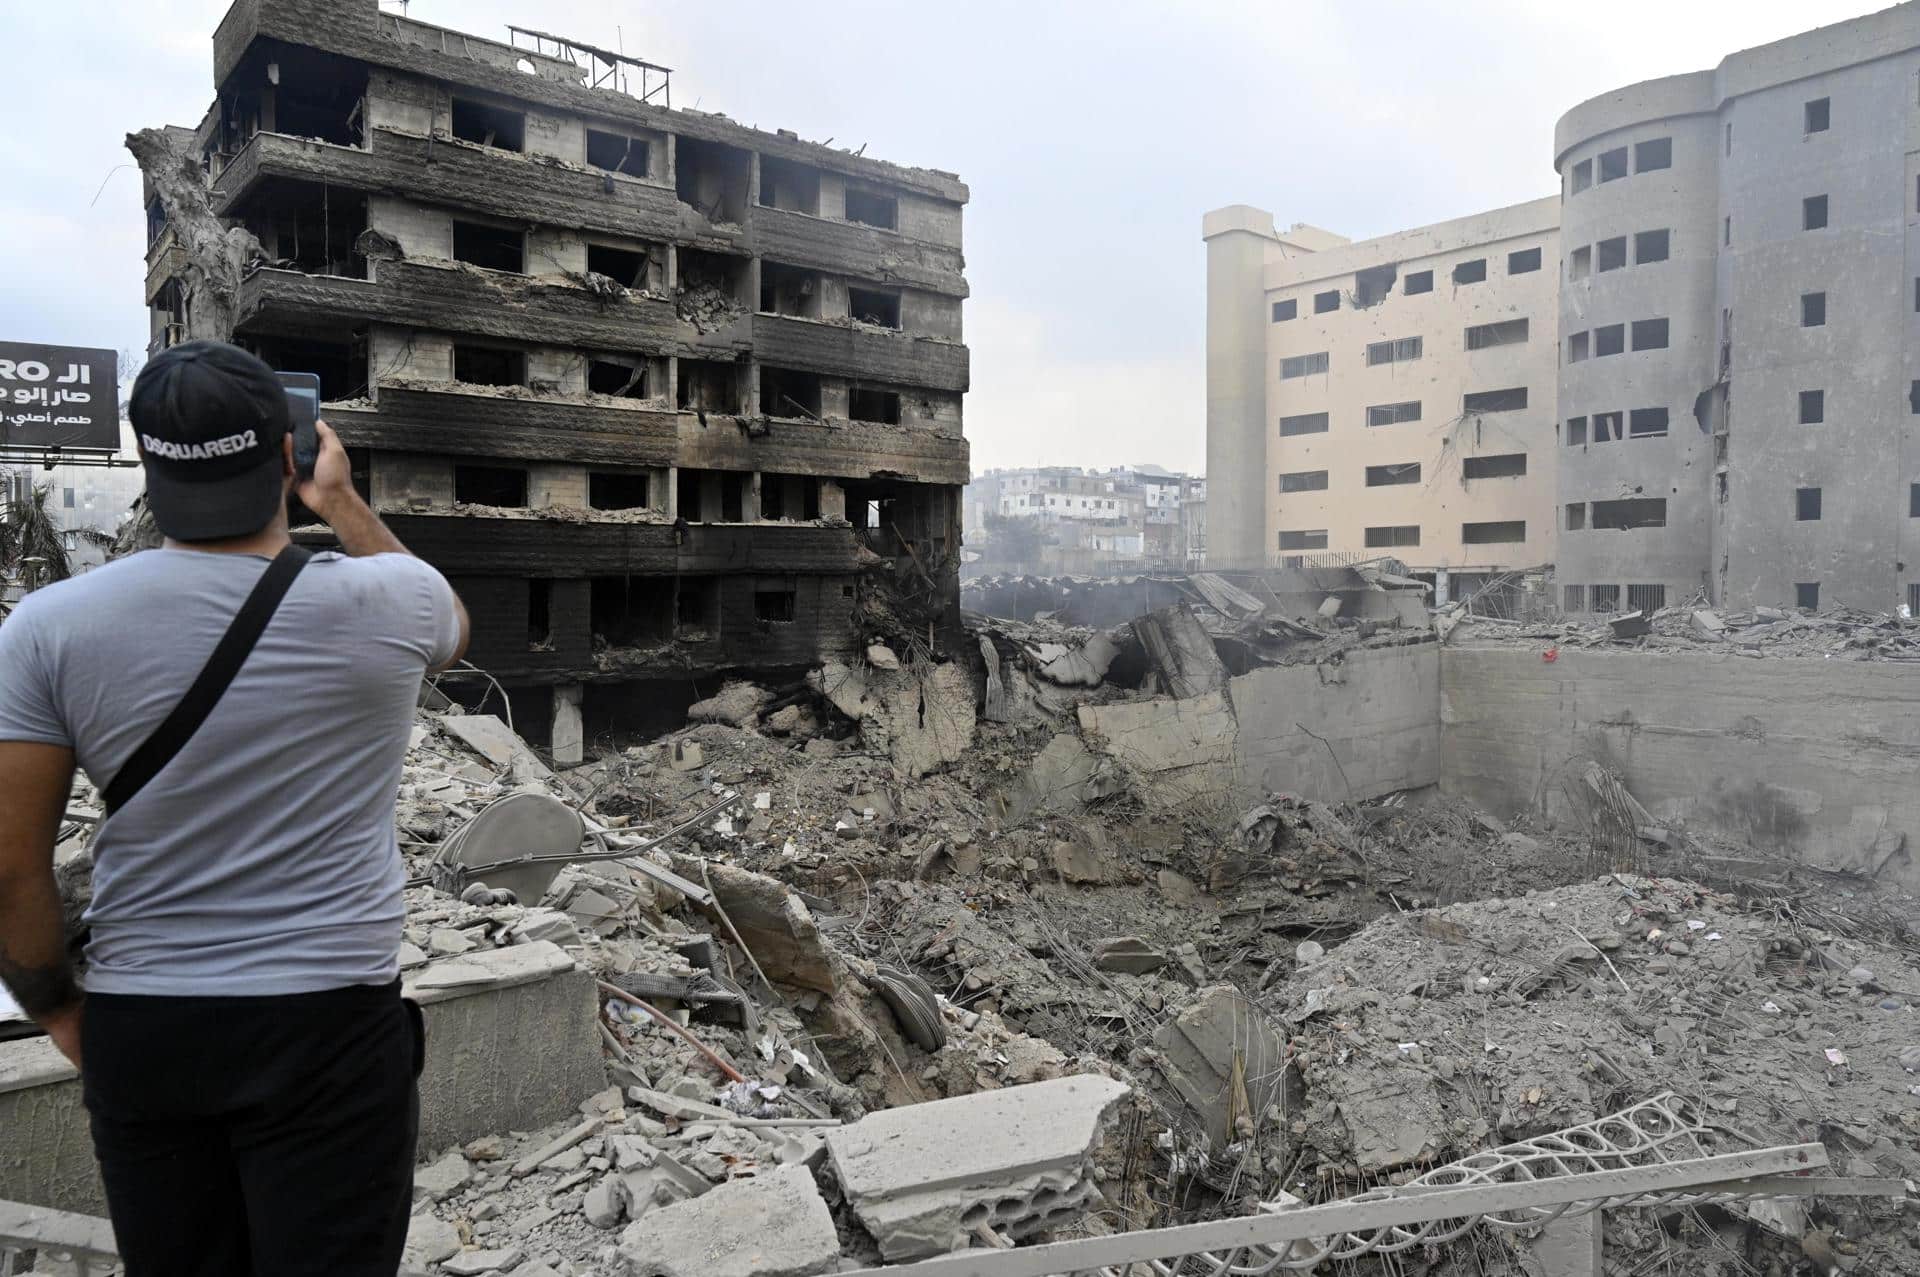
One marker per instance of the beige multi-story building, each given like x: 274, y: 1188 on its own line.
x: 1389, y: 397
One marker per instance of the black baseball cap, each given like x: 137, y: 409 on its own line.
x: 209, y: 419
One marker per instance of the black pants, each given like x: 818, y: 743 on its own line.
x: 268, y: 1136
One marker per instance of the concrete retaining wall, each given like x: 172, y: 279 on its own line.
x: 511, y: 1045
x: 1283, y: 728
x: 1800, y: 756
x: 1376, y: 713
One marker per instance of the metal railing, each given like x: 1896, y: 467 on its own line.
x: 79, y: 1245
x: 1652, y: 1154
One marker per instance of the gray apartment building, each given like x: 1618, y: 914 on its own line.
x: 1740, y: 329
x: 665, y: 396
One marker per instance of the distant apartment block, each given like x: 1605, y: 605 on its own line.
x: 1740, y: 321
x: 1089, y: 522
x: 1390, y: 397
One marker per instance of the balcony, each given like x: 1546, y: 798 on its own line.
x: 459, y: 175
x: 848, y: 248
x: 459, y: 299
x: 866, y: 353
x: 463, y: 545
x: 468, y: 421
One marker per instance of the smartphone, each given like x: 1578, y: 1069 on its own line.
x: 303, y: 405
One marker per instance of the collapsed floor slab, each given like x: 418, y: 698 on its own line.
x: 922, y: 1178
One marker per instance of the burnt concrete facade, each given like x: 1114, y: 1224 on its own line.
x: 1740, y: 329
x: 665, y: 396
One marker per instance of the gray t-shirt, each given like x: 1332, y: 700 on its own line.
x: 262, y: 859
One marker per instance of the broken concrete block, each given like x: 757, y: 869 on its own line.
x: 1329, y: 607
x: 775, y: 924
x: 844, y: 688
x: 881, y: 657
x: 445, y: 942
x: 1128, y: 954
x: 603, y: 1205
x: 736, y: 704
x: 921, y: 1178
x: 688, y: 756
x: 474, y: 1263
x: 494, y: 741
x: 1224, y: 1058
x: 1186, y: 959
x: 773, y: 1225
x: 1076, y: 862
x: 1177, y: 750
x: 442, y: 1179
x: 1708, y: 625
x: 430, y: 1239
x: 1181, y: 651
x: 923, y: 718
x: 1177, y: 888
x: 1084, y: 666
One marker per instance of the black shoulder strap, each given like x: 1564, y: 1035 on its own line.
x: 228, y: 656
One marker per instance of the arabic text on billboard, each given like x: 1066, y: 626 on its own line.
x: 58, y: 397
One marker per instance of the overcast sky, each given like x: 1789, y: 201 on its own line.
x: 1093, y: 135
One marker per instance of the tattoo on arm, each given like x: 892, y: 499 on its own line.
x: 40, y: 990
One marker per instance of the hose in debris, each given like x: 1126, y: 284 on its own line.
x: 615, y: 991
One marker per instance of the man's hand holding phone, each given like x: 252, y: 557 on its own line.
x: 331, y: 485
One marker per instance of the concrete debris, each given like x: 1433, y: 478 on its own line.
x: 442, y: 1179
x: 739, y: 704
x: 921, y: 1179
x: 1836, y: 633
x: 429, y: 1240
x: 1225, y: 1059
x: 1085, y: 665
x: 1182, y: 652
x: 773, y: 1225
x: 1128, y: 954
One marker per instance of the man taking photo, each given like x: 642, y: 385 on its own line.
x: 247, y: 1061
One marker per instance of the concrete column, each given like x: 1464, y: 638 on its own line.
x: 569, y: 732
x: 671, y: 502
x: 1441, y: 582
x: 751, y: 502
x: 1238, y: 239
x: 1569, y: 1247
x: 833, y: 500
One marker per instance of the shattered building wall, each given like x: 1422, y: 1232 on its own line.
x: 662, y: 394
x: 1739, y: 324
x: 1405, y: 390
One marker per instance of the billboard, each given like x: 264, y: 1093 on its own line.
x: 58, y: 397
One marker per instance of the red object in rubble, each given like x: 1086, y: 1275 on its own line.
x: 1550, y: 655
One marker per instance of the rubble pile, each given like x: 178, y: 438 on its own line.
x: 1839, y: 633
x: 708, y: 307
x: 817, y: 921
x: 1430, y: 1034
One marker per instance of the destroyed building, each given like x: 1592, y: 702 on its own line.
x: 662, y: 394
x: 1725, y: 347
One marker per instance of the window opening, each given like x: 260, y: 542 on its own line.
x: 489, y: 125
x: 504, y: 486
x: 1392, y: 475
x: 1504, y: 465
x: 492, y: 247
x: 618, y: 153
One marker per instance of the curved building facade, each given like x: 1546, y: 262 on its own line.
x: 1739, y: 314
